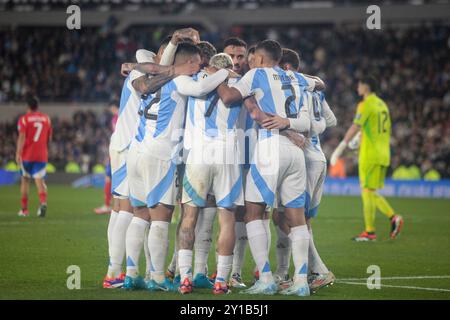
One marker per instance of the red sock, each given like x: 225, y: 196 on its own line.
x: 24, y: 202
x: 107, y: 190
x: 43, y: 197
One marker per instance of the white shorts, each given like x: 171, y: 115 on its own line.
x: 316, y: 171
x: 119, y: 179
x: 224, y: 181
x: 277, y: 178
x: 151, y: 180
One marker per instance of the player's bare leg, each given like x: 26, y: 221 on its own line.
x: 225, y: 246
x: 283, y: 249
x: 318, y: 275
x: 24, y: 192
x: 186, y: 239
x: 42, y: 192
x: 158, y: 244
x: 299, y: 236
x: 258, y: 242
x: 239, y: 249
x: 134, y: 241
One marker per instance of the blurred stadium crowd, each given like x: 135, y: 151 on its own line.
x: 411, y: 63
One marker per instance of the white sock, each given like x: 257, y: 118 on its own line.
x: 223, y: 268
x: 148, y: 260
x: 173, y: 263
x: 134, y: 240
x: 269, y: 234
x: 158, y: 243
x: 185, y: 263
x: 315, y: 263
x: 118, y: 243
x: 239, y: 247
x: 283, y: 250
x: 300, y: 241
x: 203, y: 239
x: 257, y: 240
x: 112, y: 221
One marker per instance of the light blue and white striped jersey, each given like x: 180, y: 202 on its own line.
x: 160, y: 128
x: 321, y: 117
x: 247, y: 136
x: 127, y: 120
x: 276, y: 91
x: 208, y: 119
x: 165, y: 113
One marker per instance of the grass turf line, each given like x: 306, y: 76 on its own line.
x: 35, y: 253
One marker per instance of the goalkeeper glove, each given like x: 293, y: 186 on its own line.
x: 338, y: 152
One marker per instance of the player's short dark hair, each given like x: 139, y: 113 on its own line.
x: 291, y: 57
x: 251, y: 50
x: 207, y: 50
x: 272, y: 49
x: 32, y: 102
x: 234, y: 41
x: 187, y: 49
x: 370, y: 81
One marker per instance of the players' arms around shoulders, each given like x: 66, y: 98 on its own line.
x: 261, y: 118
x: 145, y: 84
x: 238, y: 91
x: 150, y: 77
x: 319, y: 84
x: 196, y: 88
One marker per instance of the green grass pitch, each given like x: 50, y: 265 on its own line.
x: 35, y: 253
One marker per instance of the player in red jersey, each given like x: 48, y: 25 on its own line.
x: 35, y: 132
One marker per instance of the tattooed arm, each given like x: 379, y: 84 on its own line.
x: 146, y: 84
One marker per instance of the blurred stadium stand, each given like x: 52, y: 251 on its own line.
x: 68, y: 69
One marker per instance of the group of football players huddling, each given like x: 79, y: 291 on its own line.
x: 232, y: 134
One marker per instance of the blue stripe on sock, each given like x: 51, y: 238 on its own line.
x: 266, y: 267
x: 303, y: 269
x: 130, y: 262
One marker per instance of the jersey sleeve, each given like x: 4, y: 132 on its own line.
x: 134, y: 74
x: 21, y: 125
x: 303, y: 121
x: 244, y: 86
x: 307, y: 82
x: 310, y: 84
x: 330, y: 118
x: 189, y: 87
x: 168, y: 55
x: 362, y: 114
